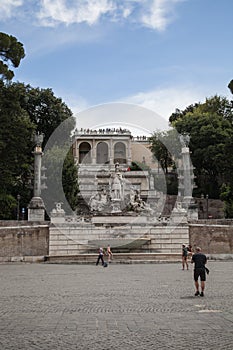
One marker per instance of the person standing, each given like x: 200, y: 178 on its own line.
x: 110, y: 254
x: 190, y: 250
x: 199, y: 259
x: 100, y: 256
x: 184, y: 257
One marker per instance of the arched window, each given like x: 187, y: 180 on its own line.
x: 84, y: 153
x: 120, y: 153
x: 102, y: 153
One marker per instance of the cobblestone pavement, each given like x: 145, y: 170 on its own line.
x: 135, y: 306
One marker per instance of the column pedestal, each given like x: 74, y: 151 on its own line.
x: 36, y: 209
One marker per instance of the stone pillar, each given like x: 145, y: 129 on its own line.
x: 36, y: 208
x: 76, y: 156
x: 75, y: 149
x: 186, y: 175
x: 187, y: 172
x: 129, y: 155
x: 111, y: 153
x: 93, y: 152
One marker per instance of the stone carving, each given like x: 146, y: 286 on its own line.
x: 116, y: 186
x: 98, y: 201
x: 119, y: 197
x: 137, y: 204
x: 178, y: 208
x: 184, y: 140
x: 152, y: 183
x: 38, y: 139
x: 58, y: 208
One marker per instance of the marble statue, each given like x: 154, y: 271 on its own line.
x: 116, y: 187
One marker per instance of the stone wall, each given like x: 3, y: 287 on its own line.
x: 23, y: 241
x: 212, y: 238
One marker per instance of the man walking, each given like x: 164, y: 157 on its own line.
x: 199, y: 259
x: 100, y: 256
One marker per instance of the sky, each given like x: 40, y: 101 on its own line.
x: 156, y: 54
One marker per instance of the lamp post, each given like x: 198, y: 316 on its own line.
x: 18, y: 206
x: 23, y: 213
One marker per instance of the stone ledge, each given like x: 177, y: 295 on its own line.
x: 28, y: 259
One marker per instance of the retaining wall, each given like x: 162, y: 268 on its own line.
x: 23, y: 241
x: 29, y: 241
x: 214, y: 239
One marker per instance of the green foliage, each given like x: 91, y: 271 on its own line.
x: 8, y: 205
x: 61, y: 178
x: 15, y: 141
x: 166, y: 148
x: 227, y: 196
x: 172, y: 184
x: 230, y: 86
x: 211, y: 133
x: 11, y: 52
x: 23, y: 111
x: 178, y: 114
x: 70, y: 180
x: 138, y: 166
x: 45, y: 110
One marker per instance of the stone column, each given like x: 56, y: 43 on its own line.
x: 111, y: 152
x: 93, y: 152
x: 76, y: 157
x: 36, y: 208
x: 75, y: 150
x: 186, y: 175
x: 129, y: 155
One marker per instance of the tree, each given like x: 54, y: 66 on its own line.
x: 166, y: 148
x: 178, y: 114
x: 211, y: 132
x: 11, y: 52
x: 70, y: 180
x: 230, y: 86
x: 227, y: 196
x: 138, y: 166
x: 15, y: 149
x: 23, y: 111
x: 45, y: 110
x: 62, y: 177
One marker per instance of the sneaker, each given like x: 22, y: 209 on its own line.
x: 196, y: 294
x: 202, y: 294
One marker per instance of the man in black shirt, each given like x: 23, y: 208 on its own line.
x: 199, y: 259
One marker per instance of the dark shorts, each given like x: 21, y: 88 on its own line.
x: 199, y: 273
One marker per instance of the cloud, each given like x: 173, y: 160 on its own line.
x: 155, y: 14
x: 82, y: 11
x: 165, y: 101
x: 7, y: 7
x: 159, y: 14
x: 147, y: 111
x: 140, y: 120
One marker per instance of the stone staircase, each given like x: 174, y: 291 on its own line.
x: 118, y: 258
x: 77, y: 243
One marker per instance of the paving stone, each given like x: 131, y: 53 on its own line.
x: 141, y: 306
